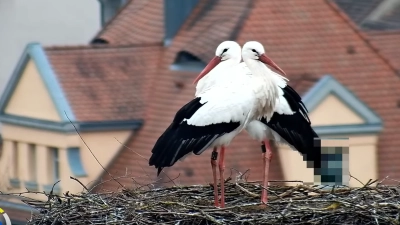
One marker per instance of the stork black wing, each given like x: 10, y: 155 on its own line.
x: 181, y: 138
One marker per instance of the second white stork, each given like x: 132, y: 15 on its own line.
x: 289, y: 124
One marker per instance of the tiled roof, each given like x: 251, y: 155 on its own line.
x: 211, y: 22
x: 104, y: 83
x: 168, y: 98
x: 303, y: 38
x: 359, y: 12
x: 317, y: 39
x: 139, y: 22
x: 303, y: 82
x: 388, y: 44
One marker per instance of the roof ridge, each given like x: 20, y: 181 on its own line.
x: 109, y: 22
x: 363, y: 37
x: 242, y: 18
x: 99, y: 46
x: 383, y: 32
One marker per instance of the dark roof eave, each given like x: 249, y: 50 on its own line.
x: 68, y: 127
x: 134, y: 124
x: 348, y: 130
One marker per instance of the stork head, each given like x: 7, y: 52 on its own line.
x: 227, y: 52
x: 253, y: 50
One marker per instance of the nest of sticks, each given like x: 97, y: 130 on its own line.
x: 374, y: 203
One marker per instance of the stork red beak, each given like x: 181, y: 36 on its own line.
x: 264, y: 58
x: 213, y: 63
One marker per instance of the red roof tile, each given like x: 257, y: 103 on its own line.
x: 303, y: 82
x: 138, y: 22
x: 388, y: 44
x: 105, y: 83
x: 315, y: 38
x: 168, y: 98
x: 302, y: 38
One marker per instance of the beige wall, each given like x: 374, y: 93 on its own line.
x: 333, y: 112
x: 103, y: 145
x: 30, y: 97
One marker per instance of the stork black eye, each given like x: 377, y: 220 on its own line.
x: 253, y: 50
x: 225, y: 50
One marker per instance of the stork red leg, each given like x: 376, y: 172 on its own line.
x: 221, y: 175
x: 214, y: 156
x: 266, y: 155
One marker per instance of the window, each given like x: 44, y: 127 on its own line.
x: 32, y: 162
x: 54, y: 164
x: 187, y: 61
x: 1, y: 146
x: 15, y: 160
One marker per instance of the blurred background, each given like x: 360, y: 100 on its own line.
x: 118, y: 70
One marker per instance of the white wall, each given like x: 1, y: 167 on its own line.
x: 50, y: 22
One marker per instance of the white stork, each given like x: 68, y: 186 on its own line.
x: 289, y: 124
x: 228, y: 54
x: 215, y: 117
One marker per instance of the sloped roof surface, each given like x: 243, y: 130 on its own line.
x: 388, y: 44
x: 358, y: 10
x: 104, y: 83
x: 303, y: 38
x: 139, y: 22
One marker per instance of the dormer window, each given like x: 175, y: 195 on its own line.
x: 188, y: 62
x: 99, y: 41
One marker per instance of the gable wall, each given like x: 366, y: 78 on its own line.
x: 31, y: 97
x: 332, y: 111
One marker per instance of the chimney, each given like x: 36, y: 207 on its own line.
x: 175, y: 13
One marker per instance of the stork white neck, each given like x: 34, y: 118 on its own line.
x: 268, y: 87
x: 257, y: 67
x: 217, y: 75
x: 227, y: 55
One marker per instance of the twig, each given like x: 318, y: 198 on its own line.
x: 194, y: 205
x: 73, y: 178
x: 247, y: 191
x: 92, y: 152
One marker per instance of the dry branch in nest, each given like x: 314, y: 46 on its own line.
x: 299, y: 204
